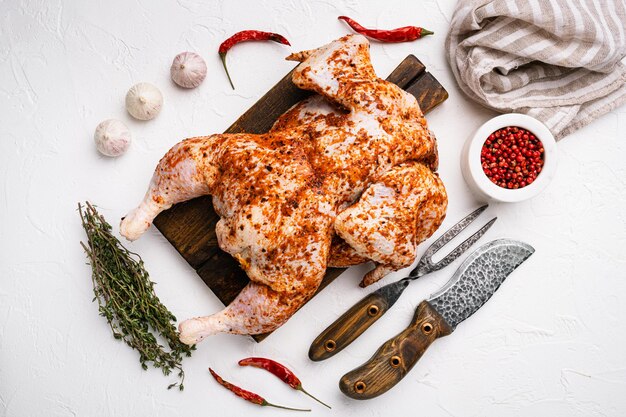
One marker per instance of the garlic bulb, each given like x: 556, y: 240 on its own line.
x: 112, y: 137
x: 188, y: 70
x: 144, y: 101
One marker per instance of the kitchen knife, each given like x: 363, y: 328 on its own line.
x: 478, y: 277
x: 351, y: 324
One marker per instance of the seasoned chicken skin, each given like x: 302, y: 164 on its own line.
x: 309, y: 191
x: 397, y: 212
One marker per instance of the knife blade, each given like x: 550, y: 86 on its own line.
x: 471, y: 286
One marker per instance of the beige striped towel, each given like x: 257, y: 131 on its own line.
x: 556, y: 60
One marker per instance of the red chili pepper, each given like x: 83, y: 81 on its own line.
x: 247, y: 395
x: 403, y: 34
x: 280, y: 371
x: 244, y: 36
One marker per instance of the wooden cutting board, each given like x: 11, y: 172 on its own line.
x: 190, y: 226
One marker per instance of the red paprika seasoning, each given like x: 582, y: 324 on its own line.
x: 512, y: 157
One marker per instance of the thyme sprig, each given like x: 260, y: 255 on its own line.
x: 126, y: 298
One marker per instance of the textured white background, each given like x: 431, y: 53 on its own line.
x: 551, y: 342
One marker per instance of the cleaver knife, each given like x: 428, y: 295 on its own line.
x: 478, y: 277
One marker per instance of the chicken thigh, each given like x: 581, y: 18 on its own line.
x: 397, y: 212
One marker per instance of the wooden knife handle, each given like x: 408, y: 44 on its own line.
x: 355, y: 321
x: 394, y: 359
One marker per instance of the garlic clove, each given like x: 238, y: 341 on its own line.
x: 144, y: 101
x: 112, y: 137
x: 188, y: 70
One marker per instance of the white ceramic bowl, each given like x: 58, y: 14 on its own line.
x: 476, y: 178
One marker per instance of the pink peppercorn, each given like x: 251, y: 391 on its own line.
x: 512, y: 157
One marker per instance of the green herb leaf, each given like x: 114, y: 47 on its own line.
x: 126, y: 298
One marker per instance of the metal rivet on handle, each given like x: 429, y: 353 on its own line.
x: 330, y: 345
x: 427, y: 328
x: 395, y: 361
x: 359, y: 387
x: 373, y: 310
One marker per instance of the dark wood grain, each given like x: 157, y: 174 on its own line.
x: 407, y: 72
x: 348, y: 326
x: 396, y: 357
x: 190, y: 226
x: 428, y: 92
x: 224, y: 276
x: 351, y: 324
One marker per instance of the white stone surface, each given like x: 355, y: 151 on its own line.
x: 551, y: 341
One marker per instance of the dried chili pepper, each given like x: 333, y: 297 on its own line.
x: 244, y: 36
x: 247, y: 395
x: 403, y: 34
x: 281, y: 371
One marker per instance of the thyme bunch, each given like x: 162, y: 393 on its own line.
x: 126, y: 298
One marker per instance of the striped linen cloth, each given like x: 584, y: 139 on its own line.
x: 556, y: 60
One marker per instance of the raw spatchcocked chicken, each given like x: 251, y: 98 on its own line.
x: 344, y: 177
